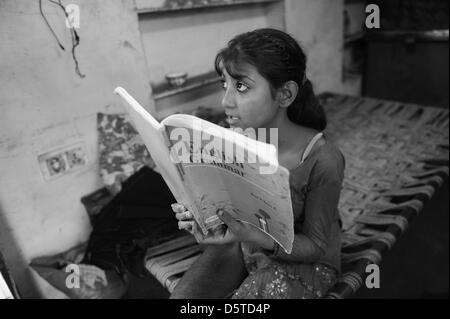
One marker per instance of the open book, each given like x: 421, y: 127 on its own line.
x: 209, y: 168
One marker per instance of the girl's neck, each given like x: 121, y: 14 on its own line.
x: 291, y: 136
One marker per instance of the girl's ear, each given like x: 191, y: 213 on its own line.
x: 287, y: 93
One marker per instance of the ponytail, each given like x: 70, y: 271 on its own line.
x: 306, y: 109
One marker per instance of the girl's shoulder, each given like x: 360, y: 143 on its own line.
x: 328, y: 154
x: 328, y: 164
x: 325, y: 164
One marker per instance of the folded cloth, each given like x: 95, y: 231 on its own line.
x: 79, y: 281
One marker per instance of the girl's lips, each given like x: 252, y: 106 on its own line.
x: 231, y: 120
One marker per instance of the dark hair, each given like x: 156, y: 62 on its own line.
x: 278, y: 58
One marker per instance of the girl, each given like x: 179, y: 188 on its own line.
x: 265, y: 86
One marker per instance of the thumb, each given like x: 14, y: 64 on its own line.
x: 232, y: 223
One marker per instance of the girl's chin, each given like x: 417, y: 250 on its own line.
x: 238, y: 126
x: 243, y: 127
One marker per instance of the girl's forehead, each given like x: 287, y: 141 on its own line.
x: 239, y: 71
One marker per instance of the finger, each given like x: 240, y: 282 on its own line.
x: 197, y: 233
x: 232, y: 223
x: 218, y: 240
x: 178, y: 208
x: 219, y: 231
x: 209, y: 241
x: 187, y: 215
x: 186, y: 225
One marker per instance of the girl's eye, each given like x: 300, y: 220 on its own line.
x: 224, y: 84
x: 241, y: 87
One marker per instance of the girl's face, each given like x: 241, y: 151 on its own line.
x: 247, y: 100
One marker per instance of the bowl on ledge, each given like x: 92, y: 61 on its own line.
x: 177, y: 78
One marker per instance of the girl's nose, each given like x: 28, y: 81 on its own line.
x: 228, y: 100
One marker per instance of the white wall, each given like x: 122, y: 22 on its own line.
x: 188, y: 41
x: 45, y: 105
x: 318, y: 26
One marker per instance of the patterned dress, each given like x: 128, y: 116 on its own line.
x: 315, y: 188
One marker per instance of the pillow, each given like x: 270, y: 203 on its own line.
x: 91, y: 282
x: 121, y: 150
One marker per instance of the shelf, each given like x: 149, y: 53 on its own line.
x: 351, y: 76
x: 164, y: 90
x: 354, y: 37
x: 410, y: 35
x: 145, y: 6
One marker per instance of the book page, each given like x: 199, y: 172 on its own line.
x: 220, y: 179
x: 152, y: 133
x: 5, y: 293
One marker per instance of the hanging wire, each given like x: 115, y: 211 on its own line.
x: 48, y: 24
x: 73, y: 34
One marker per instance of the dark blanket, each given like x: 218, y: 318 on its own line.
x: 138, y: 217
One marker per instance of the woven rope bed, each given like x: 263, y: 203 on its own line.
x: 397, y: 155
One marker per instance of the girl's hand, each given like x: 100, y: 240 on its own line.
x: 232, y: 230
x: 244, y: 232
x: 185, y: 219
